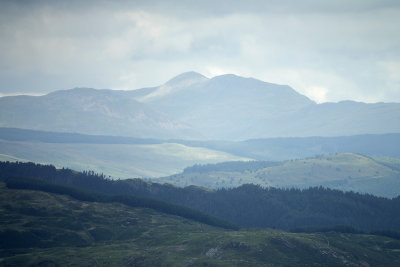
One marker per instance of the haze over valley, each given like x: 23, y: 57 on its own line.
x: 190, y: 120
x: 208, y: 133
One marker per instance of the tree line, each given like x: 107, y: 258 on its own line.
x: 129, y: 200
x: 246, y: 206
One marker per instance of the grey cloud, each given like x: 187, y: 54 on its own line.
x: 348, y: 48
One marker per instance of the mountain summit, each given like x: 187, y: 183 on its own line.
x: 187, y: 78
x: 174, y: 85
x: 229, y: 106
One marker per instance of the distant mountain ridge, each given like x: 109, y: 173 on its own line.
x: 192, y: 106
x: 231, y: 107
x: 91, y: 111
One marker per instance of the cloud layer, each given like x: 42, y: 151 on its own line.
x: 328, y: 50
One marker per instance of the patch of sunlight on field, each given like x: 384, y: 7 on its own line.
x: 191, y: 153
x: 117, y: 160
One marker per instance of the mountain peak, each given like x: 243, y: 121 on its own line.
x: 176, y: 84
x: 228, y: 76
x: 186, y: 78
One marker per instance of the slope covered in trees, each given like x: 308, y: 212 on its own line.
x: 46, y: 229
x: 246, y: 206
x: 129, y: 200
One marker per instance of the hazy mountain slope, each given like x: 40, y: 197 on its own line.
x: 291, y: 148
x: 173, y: 86
x: 340, y: 171
x: 118, y: 160
x: 89, y: 111
x: 302, y: 147
x: 42, y: 229
x: 126, y: 157
x: 274, y: 149
x: 15, y: 134
x: 230, y: 107
x: 345, y: 118
x: 191, y: 106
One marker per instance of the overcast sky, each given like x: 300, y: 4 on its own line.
x: 327, y: 50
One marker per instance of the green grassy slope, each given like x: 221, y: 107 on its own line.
x: 346, y: 171
x: 117, y: 160
x: 42, y: 229
x: 393, y: 163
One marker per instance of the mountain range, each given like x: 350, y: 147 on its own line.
x: 192, y: 106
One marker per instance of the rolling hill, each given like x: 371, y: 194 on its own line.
x: 125, y: 157
x: 346, y: 171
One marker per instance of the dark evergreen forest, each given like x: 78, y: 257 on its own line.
x: 245, y: 206
x: 129, y: 200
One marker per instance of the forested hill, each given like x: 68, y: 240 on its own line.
x: 246, y: 206
x: 46, y: 229
x: 128, y: 200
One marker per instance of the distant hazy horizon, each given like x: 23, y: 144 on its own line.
x: 156, y: 85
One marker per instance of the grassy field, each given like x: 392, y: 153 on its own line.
x: 116, y: 160
x: 346, y: 171
x: 41, y: 229
x: 393, y: 163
